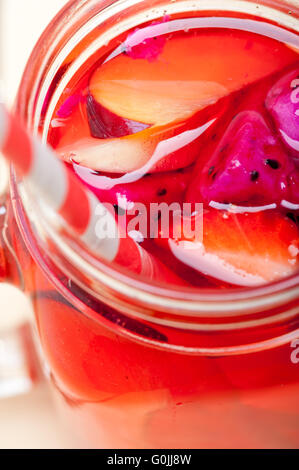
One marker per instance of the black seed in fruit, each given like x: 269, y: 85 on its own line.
x: 254, y: 175
x: 274, y: 164
x: 291, y: 216
x: 162, y: 192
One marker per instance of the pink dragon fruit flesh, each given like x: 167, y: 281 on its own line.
x: 282, y: 102
x: 157, y: 188
x: 250, y: 166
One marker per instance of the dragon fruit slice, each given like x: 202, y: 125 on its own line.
x: 157, y: 187
x: 249, y: 166
x: 282, y: 103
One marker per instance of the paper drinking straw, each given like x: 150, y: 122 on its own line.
x: 51, y: 180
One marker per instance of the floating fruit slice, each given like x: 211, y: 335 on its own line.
x: 104, y: 124
x: 132, y: 201
x: 158, y: 148
x: 156, y: 187
x: 190, y: 73
x: 283, y: 104
x: 242, y: 249
x: 249, y: 166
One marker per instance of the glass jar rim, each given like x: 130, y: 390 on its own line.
x: 179, y: 301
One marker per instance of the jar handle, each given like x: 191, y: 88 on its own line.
x: 19, y: 365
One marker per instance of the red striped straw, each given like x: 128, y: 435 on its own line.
x: 66, y: 195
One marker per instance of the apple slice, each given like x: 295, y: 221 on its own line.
x: 242, y: 249
x: 189, y: 73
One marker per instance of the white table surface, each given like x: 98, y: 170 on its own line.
x: 27, y: 421
x: 21, y: 24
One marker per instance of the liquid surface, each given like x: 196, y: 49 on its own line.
x: 198, y: 110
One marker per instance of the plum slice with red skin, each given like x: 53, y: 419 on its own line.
x: 157, y: 148
x: 104, y: 124
x: 190, y: 72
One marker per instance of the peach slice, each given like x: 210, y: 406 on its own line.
x: 189, y: 73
